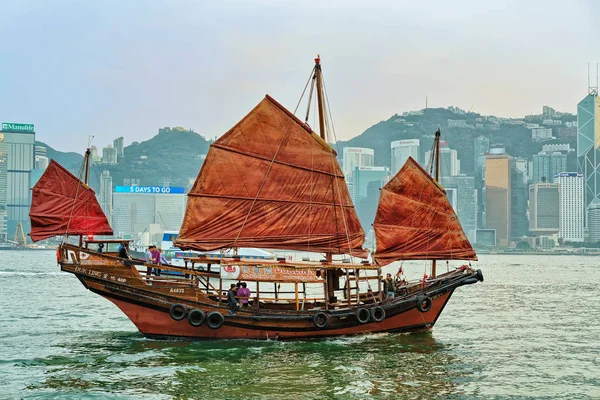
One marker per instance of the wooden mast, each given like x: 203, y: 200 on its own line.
x: 330, y: 274
x: 437, y: 178
x: 86, y: 160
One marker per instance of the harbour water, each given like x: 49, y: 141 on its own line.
x: 531, y: 330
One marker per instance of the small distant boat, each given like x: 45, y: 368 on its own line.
x: 270, y: 182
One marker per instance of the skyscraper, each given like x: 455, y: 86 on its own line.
x: 401, y: 150
x: 118, y: 144
x: 571, y: 206
x: 357, y: 157
x: 481, y: 146
x: 109, y: 155
x: 588, y: 143
x: 365, y: 195
x: 498, y: 196
x: 106, y: 199
x: 544, y: 208
x: 465, y: 196
x: 18, y: 145
x: 546, y: 165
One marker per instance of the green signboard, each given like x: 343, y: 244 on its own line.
x: 10, y: 127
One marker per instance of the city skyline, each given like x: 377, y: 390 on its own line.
x: 117, y: 72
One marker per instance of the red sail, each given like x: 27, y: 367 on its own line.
x: 415, y: 220
x: 61, y: 204
x: 271, y: 182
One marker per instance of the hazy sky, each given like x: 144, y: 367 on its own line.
x: 125, y: 68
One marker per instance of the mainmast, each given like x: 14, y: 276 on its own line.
x: 438, y: 134
x: 329, y: 273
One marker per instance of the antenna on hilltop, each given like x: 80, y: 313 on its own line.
x: 593, y: 90
x: 426, y: 102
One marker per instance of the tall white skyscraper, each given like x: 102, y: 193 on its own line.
x: 401, y: 150
x: 106, y: 199
x: 357, y: 157
x: 571, y: 206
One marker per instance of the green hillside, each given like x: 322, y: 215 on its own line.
x: 516, y: 138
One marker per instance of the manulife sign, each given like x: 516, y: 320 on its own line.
x: 12, y: 127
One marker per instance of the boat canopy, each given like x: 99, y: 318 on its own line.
x: 415, y: 221
x: 271, y: 182
x: 63, y: 205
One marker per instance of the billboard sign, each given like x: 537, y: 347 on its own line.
x: 12, y: 127
x: 150, y: 189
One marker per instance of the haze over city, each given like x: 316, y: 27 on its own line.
x: 122, y: 68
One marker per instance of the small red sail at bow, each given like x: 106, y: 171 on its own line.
x: 415, y: 220
x: 271, y: 182
x: 61, y: 204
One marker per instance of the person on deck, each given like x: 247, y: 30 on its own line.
x: 389, y: 287
x: 156, y: 260
x: 148, y: 257
x: 244, y: 293
x: 162, y: 258
x: 124, y: 250
x: 100, y: 247
x: 231, y: 300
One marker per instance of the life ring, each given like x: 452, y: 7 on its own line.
x: 378, y: 314
x: 424, y: 303
x: 479, y: 275
x: 178, y: 311
x: 215, y: 320
x: 363, y: 315
x: 196, y: 317
x: 320, y: 320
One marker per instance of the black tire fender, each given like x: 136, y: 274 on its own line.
x: 320, y: 319
x: 196, y: 317
x: 178, y: 311
x: 479, y: 275
x: 377, y: 314
x: 424, y: 303
x: 215, y: 320
x: 363, y: 315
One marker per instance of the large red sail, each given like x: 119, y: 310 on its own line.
x: 271, y: 182
x: 415, y: 220
x: 61, y: 204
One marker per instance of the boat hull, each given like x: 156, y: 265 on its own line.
x: 158, y: 324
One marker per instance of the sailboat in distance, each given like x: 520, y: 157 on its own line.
x: 271, y: 182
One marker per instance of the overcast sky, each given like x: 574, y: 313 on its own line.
x: 125, y: 68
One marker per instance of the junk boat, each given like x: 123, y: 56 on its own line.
x: 270, y: 182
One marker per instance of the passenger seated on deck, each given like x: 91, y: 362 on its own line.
x: 100, y: 247
x: 244, y: 293
x: 231, y: 300
x: 389, y: 287
x: 124, y: 250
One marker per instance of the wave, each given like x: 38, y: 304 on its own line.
x: 21, y: 273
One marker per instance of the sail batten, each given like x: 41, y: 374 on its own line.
x: 61, y: 204
x: 415, y: 221
x: 270, y: 182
